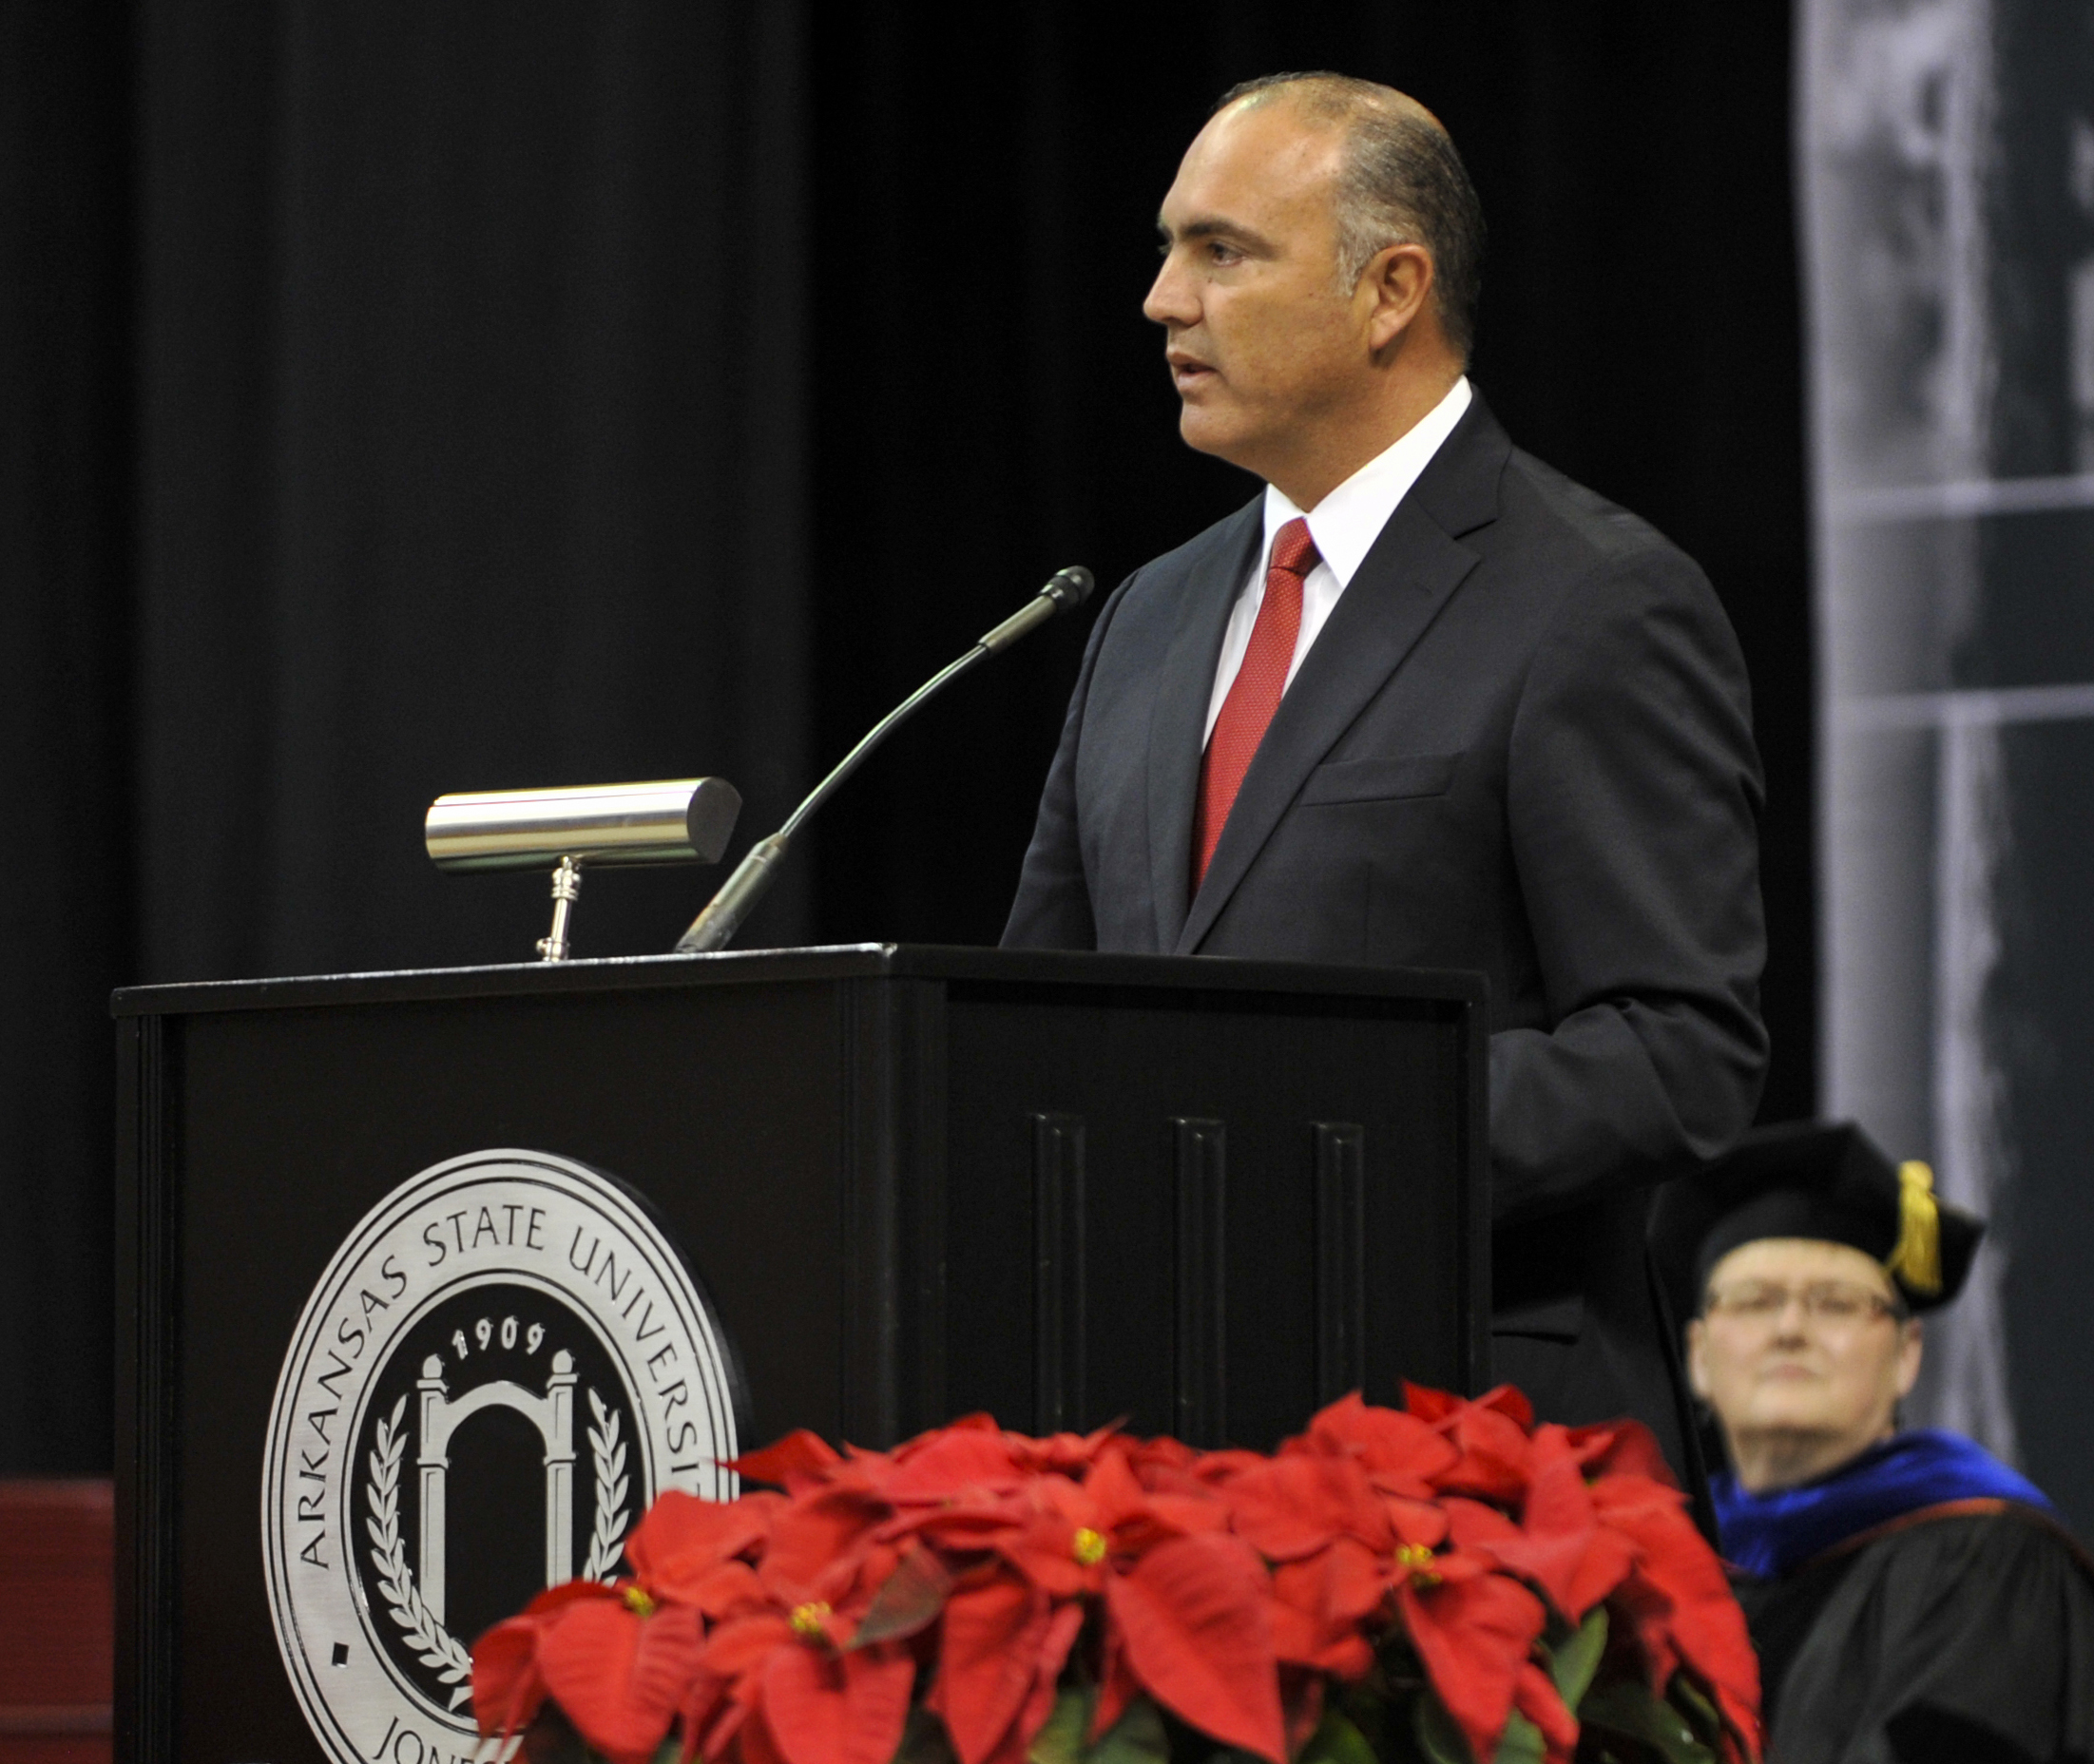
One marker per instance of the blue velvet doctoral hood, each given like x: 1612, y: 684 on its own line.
x: 1768, y: 1535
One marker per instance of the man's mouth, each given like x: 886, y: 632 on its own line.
x: 1187, y: 371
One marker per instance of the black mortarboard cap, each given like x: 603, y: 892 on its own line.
x: 1814, y: 1179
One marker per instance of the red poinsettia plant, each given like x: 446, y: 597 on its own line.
x: 1447, y: 1582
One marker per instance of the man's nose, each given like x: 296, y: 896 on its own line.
x: 1169, y: 300
x: 1789, y: 1320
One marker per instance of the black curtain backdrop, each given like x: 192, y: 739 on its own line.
x: 406, y: 399
x: 69, y: 881
x: 471, y: 414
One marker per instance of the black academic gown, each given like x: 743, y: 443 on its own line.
x: 1963, y: 1632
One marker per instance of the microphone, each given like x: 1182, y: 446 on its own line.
x: 1066, y: 590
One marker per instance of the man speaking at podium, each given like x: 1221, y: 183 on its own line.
x: 1425, y: 703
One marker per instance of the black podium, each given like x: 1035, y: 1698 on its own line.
x: 442, y: 1268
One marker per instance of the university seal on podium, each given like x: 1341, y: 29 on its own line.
x: 503, y: 1365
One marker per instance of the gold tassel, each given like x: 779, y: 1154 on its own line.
x: 1916, y: 1263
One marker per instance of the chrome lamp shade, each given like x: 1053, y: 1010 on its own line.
x: 669, y: 821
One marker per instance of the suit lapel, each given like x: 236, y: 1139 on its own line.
x: 1178, y: 718
x: 1399, y: 587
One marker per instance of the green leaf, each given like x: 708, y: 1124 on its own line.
x: 1337, y: 1741
x: 1634, y: 1712
x: 1574, y: 1663
x: 1137, y: 1737
x: 1699, y: 1709
x: 1438, y: 1738
x: 1060, y: 1741
x: 1521, y: 1742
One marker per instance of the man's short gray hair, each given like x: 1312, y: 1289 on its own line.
x: 1400, y: 182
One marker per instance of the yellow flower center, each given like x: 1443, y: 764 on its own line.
x: 1417, y: 1561
x: 638, y: 1601
x: 809, y: 1621
x: 1088, y: 1546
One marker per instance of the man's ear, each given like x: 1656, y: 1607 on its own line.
x: 1909, y: 1350
x: 1399, y: 279
x: 1698, y: 1371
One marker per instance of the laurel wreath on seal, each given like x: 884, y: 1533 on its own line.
x: 609, y: 1453
x: 434, y: 1645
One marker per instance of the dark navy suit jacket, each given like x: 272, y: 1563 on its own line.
x: 1521, y: 744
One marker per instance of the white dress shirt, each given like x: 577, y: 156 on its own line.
x: 1344, y: 526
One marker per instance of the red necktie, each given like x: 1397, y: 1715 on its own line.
x: 1254, y: 694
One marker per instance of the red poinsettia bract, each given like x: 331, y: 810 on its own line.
x: 978, y: 1574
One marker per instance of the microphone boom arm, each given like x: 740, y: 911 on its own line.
x: 738, y: 896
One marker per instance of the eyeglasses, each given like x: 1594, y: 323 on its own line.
x: 1827, y: 1301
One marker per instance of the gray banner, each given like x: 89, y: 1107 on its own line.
x: 1946, y: 149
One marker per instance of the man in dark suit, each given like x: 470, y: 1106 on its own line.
x: 1426, y: 703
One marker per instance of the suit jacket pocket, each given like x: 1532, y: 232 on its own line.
x: 1381, y: 781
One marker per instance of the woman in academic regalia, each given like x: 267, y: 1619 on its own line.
x: 1912, y: 1598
